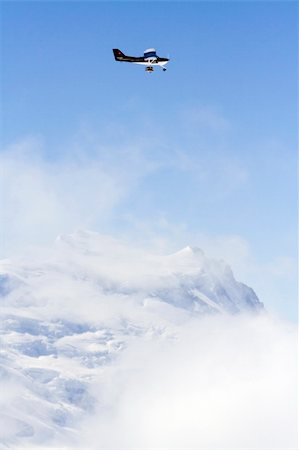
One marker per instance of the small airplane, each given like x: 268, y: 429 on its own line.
x: 149, y: 59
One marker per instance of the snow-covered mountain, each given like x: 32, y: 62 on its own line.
x: 69, y: 313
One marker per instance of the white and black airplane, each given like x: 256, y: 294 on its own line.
x: 149, y: 59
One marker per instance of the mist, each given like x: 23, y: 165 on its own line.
x: 221, y: 383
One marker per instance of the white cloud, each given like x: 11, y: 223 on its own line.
x: 224, y: 383
x: 43, y: 196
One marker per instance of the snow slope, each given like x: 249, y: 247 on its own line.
x: 68, y: 314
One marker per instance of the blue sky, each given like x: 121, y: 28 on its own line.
x: 204, y: 154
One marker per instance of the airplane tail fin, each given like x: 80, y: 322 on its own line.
x: 118, y: 54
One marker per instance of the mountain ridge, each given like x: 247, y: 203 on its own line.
x: 66, y: 318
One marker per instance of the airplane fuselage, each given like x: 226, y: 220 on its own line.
x: 148, y: 61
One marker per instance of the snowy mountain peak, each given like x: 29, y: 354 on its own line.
x: 107, y: 263
x: 190, y: 251
x: 66, y: 318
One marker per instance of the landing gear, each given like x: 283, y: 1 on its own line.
x: 151, y: 69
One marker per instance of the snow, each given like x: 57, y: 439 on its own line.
x: 71, y: 314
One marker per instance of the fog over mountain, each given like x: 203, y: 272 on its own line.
x: 108, y: 346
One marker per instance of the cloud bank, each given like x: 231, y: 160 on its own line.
x: 222, y: 384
